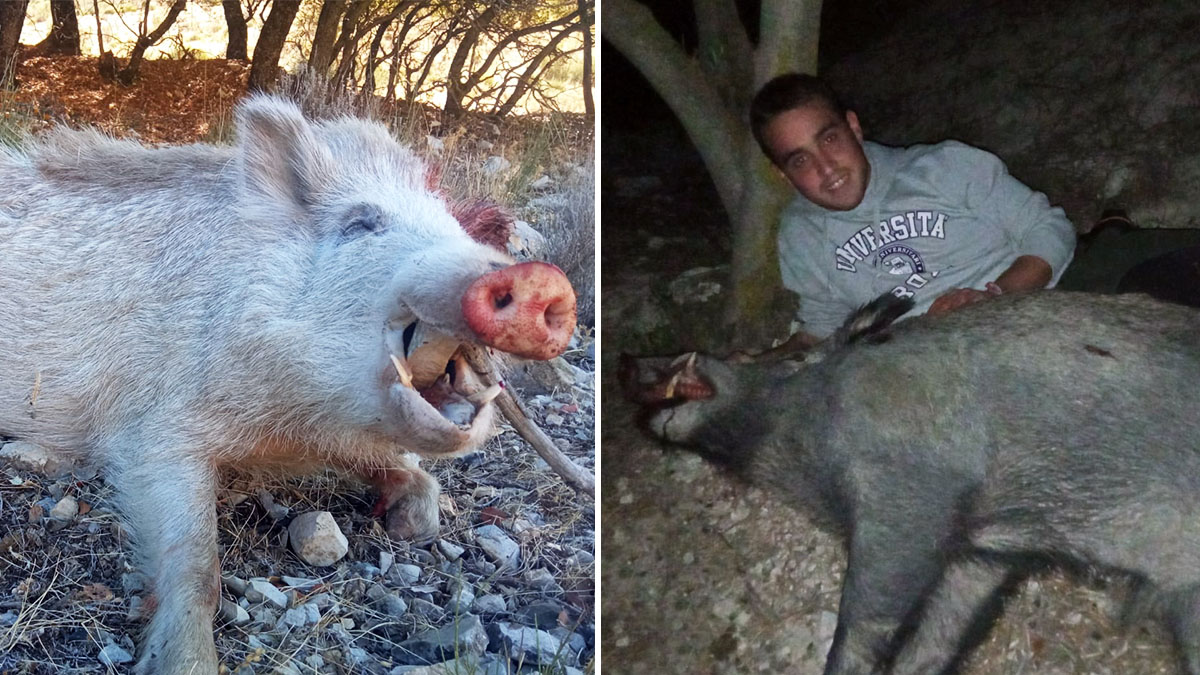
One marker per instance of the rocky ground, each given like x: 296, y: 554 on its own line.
x: 507, y: 587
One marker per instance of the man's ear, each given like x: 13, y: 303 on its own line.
x: 852, y: 120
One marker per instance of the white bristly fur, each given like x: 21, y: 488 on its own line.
x: 194, y: 306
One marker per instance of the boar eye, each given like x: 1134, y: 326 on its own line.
x: 363, y: 224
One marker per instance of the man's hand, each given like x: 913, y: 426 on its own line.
x: 961, y: 297
x: 1027, y: 273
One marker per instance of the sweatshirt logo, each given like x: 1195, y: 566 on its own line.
x: 900, y: 260
x: 900, y: 227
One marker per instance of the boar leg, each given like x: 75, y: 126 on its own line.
x: 409, y: 497
x: 955, y: 616
x: 895, y: 561
x: 170, y: 504
x: 1183, y: 617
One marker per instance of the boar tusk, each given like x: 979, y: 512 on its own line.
x: 686, y: 360
x: 402, y: 371
x: 669, y: 392
x: 485, y: 396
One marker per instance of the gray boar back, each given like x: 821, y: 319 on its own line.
x: 958, y: 454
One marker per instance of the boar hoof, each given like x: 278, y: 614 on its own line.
x: 413, y: 518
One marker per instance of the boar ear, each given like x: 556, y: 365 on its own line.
x: 282, y: 159
x: 872, y: 320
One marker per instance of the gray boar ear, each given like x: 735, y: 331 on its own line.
x: 282, y: 160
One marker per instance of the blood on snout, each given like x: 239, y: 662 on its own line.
x: 527, y: 310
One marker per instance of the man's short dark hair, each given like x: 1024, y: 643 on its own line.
x: 788, y: 92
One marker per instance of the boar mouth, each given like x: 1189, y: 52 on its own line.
x: 650, y: 383
x: 432, y: 363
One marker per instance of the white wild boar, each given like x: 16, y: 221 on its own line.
x: 292, y: 300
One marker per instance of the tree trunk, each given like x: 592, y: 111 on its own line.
x: 709, y: 94
x: 130, y: 72
x: 347, y: 43
x: 585, y: 26
x: 12, y: 18
x: 321, y: 56
x: 237, y: 47
x: 63, y: 39
x: 264, y: 67
x: 456, y: 88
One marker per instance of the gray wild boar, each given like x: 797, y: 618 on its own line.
x: 294, y: 300
x: 958, y: 454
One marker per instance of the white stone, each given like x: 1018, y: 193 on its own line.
x: 31, y: 457
x: 316, y: 538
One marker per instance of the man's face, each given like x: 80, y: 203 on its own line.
x: 821, y: 154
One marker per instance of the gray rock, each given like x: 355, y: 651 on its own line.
x: 426, y: 609
x: 451, y: 550
x: 490, y: 604
x: 300, y: 583
x: 234, y: 584
x: 365, y: 570
x: 498, y: 546
x: 528, y: 645
x: 231, y: 612
x: 405, y: 574
x: 356, y: 656
x: 265, y: 617
x: 35, y: 458
x: 316, y: 538
x: 462, y: 596
x: 541, y: 615
x: 113, y: 654
x: 62, y: 513
x: 460, y: 638
x: 542, y: 580
x: 385, y: 561
x: 392, y: 605
x: 298, y: 617
x: 324, y: 601
x: 276, y: 511
x: 574, y: 640
x: 261, y: 590
x: 581, y: 558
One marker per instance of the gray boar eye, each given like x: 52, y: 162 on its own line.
x: 363, y: 222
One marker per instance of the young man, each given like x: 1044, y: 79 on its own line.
x: 944, y: 224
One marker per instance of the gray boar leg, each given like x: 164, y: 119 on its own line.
x: 896, y: 559
x: 969, y: 592
x: 1183, y: 617
x: 169, y: 502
